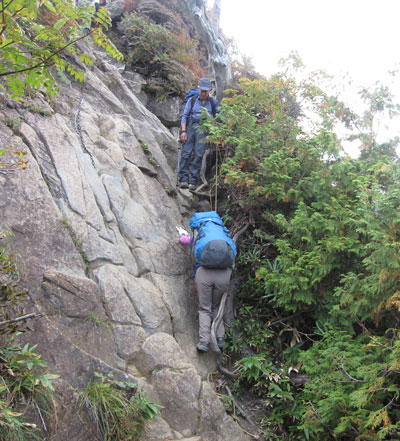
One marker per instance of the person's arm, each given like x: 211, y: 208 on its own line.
x: 184, y: 118
x: 216, y: 107
x: 183, y: 132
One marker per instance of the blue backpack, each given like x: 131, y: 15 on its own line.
x: 213, y: 246
x: 192, y: 92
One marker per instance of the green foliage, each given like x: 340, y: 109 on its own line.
x: 36, y: 35
x: 354, y: 387
x: 24, y: 381
x: 148, y: 153
x: 170, y: 61
x: 330, y: 221
x: 267, y: 373
x: 321, y: 260
x: 96, y: 321
x: 13, y: 123
x: 119, y: 409
x: 77, y: 243
x: 10, y: 295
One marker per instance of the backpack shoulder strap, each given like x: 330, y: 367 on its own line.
x: 212, y: 102
x: 213, y: 106
x: 192, y: 101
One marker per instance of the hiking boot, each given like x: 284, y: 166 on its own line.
x: 220, y: 342
x: 183, y: 184
x: 202, y: 346
x: 192, y: 187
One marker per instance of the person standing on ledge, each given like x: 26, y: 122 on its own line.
x: 192, y: 138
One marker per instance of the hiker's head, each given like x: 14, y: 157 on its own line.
x: 204, y: 87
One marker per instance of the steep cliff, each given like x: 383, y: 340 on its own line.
x: 93, y: 217
x: 189, y: 17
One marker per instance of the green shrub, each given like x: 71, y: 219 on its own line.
x: 320, y: 262
x: 170, y: 61
x: 10, y: 295
x: 25, y: 385
x: 354, y: 387
x: 119, y: 409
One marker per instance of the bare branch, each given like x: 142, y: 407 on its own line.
x: 7, y: 5
x: 390, y: 403
x: 4, y: 15
x: 24, y: 317
x: 241, y: 231
x: 243, y: 413
x: 315, y: 411
x: 346, y: 374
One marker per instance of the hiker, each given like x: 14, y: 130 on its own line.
x: 98, y: 4
x: 192, y: 139
x: 215, y: 253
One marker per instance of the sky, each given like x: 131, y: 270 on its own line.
x: 355, y: 37
x: 358, y: 36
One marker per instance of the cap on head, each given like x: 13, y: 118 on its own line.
x: 205, y: 84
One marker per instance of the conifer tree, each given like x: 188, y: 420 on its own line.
x: 320, y: 299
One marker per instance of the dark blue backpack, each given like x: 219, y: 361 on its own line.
x: 213, y: 246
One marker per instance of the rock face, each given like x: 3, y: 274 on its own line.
x: 187, y: 16
x: 94, y: 223
x: 214, y: 42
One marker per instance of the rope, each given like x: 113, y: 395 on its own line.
x: 214, y: 326
x: 217, y: 322
x: 78, y: 130
x: 179, y: 160
x: 216, y: 177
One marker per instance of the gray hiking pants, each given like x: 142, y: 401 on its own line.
x: 189, y: 168
x: 210, y: 285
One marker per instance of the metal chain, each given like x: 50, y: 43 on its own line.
x: 78, y: 129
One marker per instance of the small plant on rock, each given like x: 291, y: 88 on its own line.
x: 170, y: 61
x: 119, y: 409
x: 25, y: 385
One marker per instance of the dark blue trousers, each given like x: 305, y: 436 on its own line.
x: 192, y: 155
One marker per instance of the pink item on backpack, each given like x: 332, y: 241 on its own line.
x: 185, y: 240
